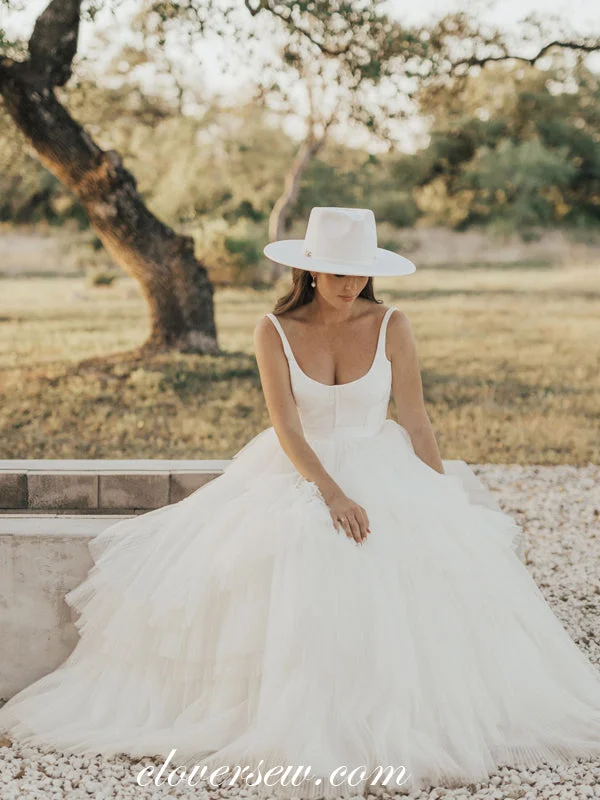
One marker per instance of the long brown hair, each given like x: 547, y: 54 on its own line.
x: 301, y: 292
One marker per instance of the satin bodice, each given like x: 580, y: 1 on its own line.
x: 358, y: 407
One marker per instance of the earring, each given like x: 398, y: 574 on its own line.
x: 313, y: 283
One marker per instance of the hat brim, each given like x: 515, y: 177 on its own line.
x: 290, y: 253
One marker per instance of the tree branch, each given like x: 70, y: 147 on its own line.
x: 286, y: 17
x: 53, y: 43
x: 475, y: 61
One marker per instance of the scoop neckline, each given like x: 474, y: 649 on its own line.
x: 348, y: 383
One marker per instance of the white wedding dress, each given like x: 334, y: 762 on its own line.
x: 239, y: 627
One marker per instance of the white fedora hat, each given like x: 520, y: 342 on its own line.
x: 339, y: 240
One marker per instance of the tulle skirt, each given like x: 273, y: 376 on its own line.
x: 238, y: 627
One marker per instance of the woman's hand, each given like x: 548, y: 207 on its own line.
x: 350, y: 516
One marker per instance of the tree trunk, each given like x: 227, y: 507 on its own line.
x: 287, y: 200
x: 175, y: 285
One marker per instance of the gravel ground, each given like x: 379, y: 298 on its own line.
x: 558, y: 509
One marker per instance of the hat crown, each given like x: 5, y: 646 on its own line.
x: 347, y: 235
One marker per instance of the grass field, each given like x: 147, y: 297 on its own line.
x: 510, y: 359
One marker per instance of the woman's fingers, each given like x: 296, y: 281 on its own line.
x: 364, y: 522
x: 348, y: 527
x: 355, y: 529
x: 359, y: 533
x: 354, y: 523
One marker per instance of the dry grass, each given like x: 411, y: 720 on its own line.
x: 509, y: 357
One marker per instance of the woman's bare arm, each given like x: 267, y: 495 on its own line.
x: 281, y: 407
x: 283, y: 413
x: 407, y: 388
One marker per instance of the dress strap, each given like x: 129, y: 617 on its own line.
x: 382, y: 332
x: 286, y: 345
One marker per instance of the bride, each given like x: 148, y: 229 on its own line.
x: 333, y: 599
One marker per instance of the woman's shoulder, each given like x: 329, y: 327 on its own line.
x: 396, y: 317
x: 267, y: 329
x: 397, y: 313
x: 399, y: 330
x: 264, y: 330
x: 375, y: 309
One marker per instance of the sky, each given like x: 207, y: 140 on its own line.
x: 581, y: 14
x: 201, y: 64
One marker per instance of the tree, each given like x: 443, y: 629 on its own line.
x: 174, y: 284
x: 517, y: 146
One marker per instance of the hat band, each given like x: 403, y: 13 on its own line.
x: 363, y: 263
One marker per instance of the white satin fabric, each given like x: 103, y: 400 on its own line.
x: 239, y: 627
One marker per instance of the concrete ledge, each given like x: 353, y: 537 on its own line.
x: 57, y: 525
x: 96, y: 485
x: 120, y: 490
x: 13, y: 490
x: 182, y: 484
x: 47, y: 490
x: 112, y: 465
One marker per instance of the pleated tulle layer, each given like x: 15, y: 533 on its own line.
x: 239, y: 627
